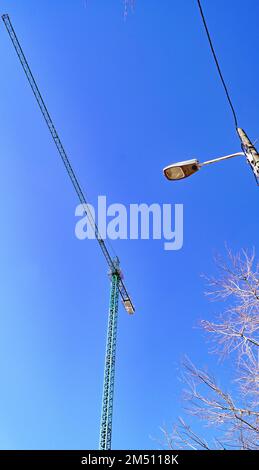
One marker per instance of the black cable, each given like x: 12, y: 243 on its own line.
x: 217, y: 64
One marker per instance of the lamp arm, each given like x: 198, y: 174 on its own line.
x: 219, y: 159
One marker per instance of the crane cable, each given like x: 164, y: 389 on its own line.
x: 217, y: 64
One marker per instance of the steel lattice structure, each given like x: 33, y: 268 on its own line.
x: 109, y: 367
x: 117, y: 283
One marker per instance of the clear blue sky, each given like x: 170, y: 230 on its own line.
x: 127, y: 98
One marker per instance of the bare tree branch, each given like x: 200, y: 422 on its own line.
x: 235, y: 337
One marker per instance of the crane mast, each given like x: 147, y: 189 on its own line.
x: 117, y: 284
x: 109, y: 366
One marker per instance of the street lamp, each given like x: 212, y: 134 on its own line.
x: 178, y: 171
x: 181, y: 170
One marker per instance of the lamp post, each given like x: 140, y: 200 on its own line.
x: 181, y: 170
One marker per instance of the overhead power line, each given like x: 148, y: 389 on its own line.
x: 217, y: 64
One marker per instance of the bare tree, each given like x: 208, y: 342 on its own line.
x: 234, y: 336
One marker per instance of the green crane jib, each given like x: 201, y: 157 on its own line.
x: 117, y: 283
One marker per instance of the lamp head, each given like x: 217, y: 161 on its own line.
x: 178, y: 171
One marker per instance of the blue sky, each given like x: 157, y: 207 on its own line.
x: 128, y: 97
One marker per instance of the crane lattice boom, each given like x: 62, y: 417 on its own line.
x: 122, y: 289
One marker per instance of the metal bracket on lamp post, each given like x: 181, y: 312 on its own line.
x: 219, y: 159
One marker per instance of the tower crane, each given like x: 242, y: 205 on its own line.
x: 117, y: 283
